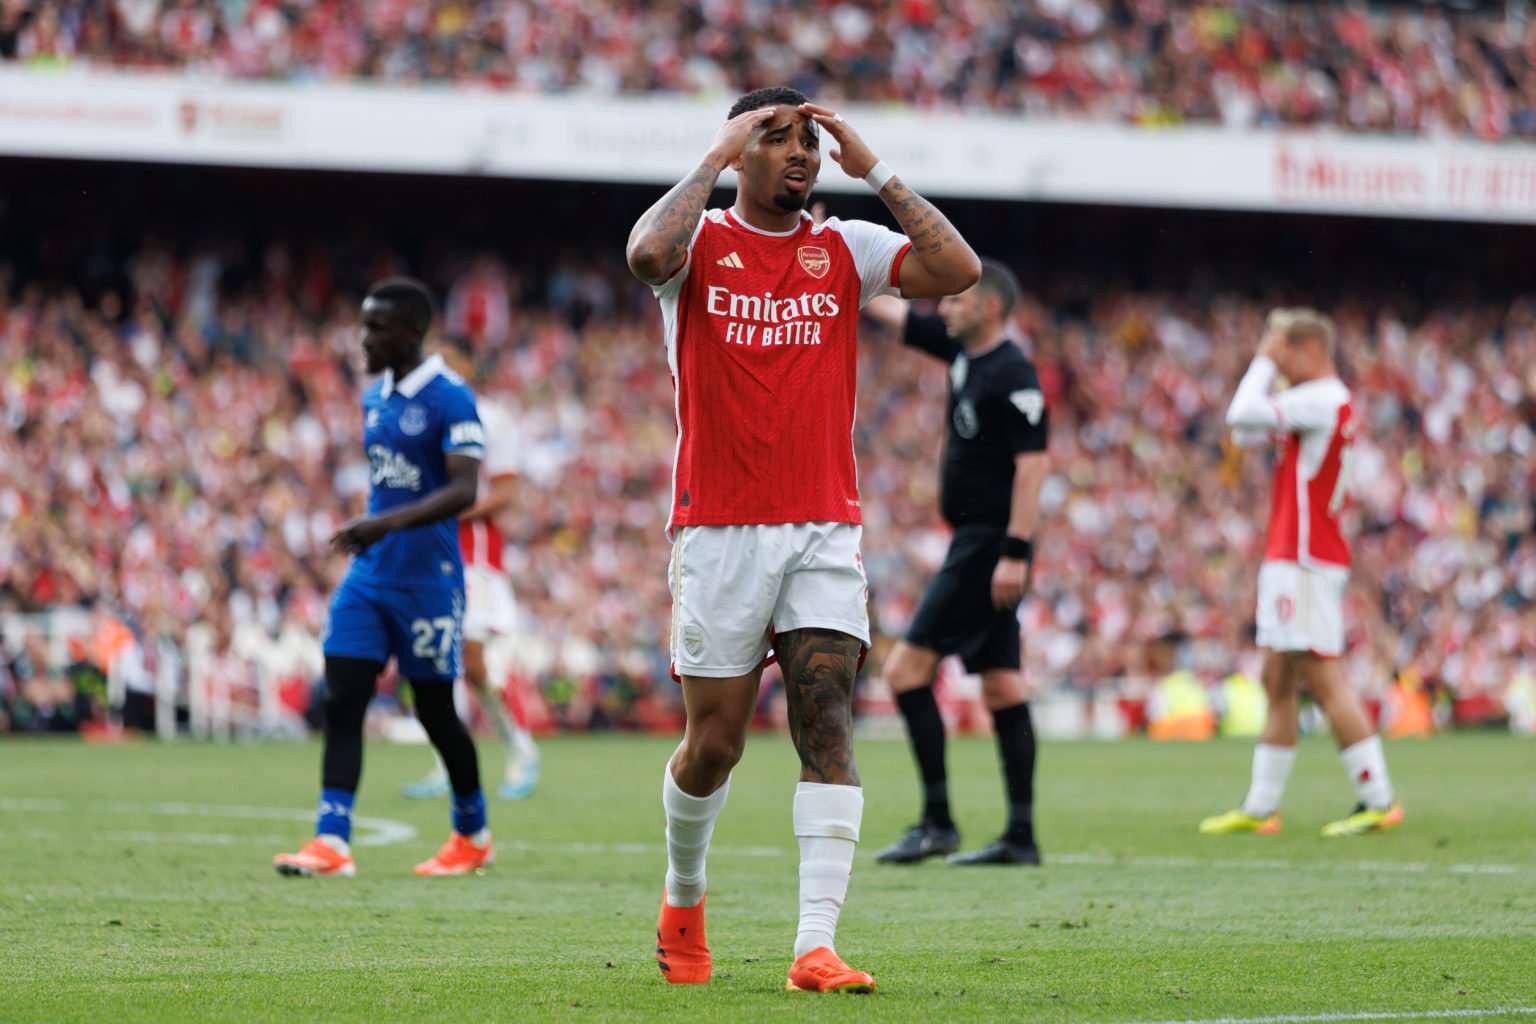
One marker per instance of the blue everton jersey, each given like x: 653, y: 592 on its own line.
x: 409, y: 429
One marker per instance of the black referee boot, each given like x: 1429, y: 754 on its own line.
x: 1001, y: 851
x: 923, y: 840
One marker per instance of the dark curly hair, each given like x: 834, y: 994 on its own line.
x: 770, y: 96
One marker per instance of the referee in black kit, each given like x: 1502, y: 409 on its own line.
x: 994, y: 463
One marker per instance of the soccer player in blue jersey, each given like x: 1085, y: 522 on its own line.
x: 404, y: 595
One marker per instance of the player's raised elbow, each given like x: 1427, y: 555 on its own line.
x: 650, y: 263
x: 934, y: 278
x: 968, y: 273
x: 1243, y: 417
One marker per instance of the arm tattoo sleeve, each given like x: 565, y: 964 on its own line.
x: 819, y: 666
x: 667, y: 227
x: 928, y: 229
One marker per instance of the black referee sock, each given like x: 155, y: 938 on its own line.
x: 925, y: 728
x: 1016, y: 748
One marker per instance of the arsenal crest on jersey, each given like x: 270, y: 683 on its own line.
x: 815, y: 260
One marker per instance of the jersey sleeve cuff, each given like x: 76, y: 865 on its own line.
x: 901, y: 254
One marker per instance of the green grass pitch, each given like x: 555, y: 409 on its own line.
x: 136, y: 884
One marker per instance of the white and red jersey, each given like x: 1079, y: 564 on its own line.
x: 1315, y: 425
x: 480, y: 540
x: 761, y: 334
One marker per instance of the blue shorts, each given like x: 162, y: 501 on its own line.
x: 421, y: 626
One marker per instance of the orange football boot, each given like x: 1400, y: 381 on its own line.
x: 459, y: 856
x: 680, y: 950
x: 316, y: 859
x: 822, y: 970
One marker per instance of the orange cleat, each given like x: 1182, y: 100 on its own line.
x: 680, y: 950
x: 459, y: 856
x: 822, y: 970
x: 317, y: 858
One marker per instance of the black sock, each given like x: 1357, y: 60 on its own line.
x: 925, y: 728
x: 349, y: 684
x: 1016, y: 749
x: 434, y: 707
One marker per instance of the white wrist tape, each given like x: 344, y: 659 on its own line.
x: 878, y: 175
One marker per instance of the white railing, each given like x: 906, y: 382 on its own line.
x: 101, y: 114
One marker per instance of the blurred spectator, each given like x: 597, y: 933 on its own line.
x: 183, y: 451
x: 1359, y: 66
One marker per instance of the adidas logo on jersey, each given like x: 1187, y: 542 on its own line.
x: 731, y: 261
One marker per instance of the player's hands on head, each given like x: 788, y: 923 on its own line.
x: 731, y: 141
x: 1269, y: 345
x: 851, y: 152
x: 359, y: 535
x: 1010, y: 582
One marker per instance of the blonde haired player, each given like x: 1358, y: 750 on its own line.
x: 1305, y: 570
x: 489, y: 607
x: 760, y: 309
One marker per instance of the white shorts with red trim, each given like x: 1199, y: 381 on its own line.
x: 489, y: 607
x: 1301, y: 608
x: 734, y: 586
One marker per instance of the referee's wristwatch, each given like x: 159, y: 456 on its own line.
x: 1020, y: 548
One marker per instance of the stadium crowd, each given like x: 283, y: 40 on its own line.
x: 1382, y: 68
x: 177, y: 454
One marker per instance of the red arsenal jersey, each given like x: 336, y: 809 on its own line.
x: 761, y: 333
x: 480, y: 540
x: 1312, y: 475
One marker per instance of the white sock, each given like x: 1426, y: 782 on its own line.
x: 501, y: 720
x: 1271, y: 769
x: 827, y: 825
x: 1367, y: 766
x: 523, y: 748
x: 690, y: 823
x: 336, y: 843
x: 481, y: 837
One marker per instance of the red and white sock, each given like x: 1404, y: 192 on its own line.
x: 1367, y: 766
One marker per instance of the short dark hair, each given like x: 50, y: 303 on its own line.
x: 769, y: 96
x: 998, y: 280
x: 408, y: 295
x: 463, y: 344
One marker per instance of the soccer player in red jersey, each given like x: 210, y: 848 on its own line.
x: 760, y: 308
x: 1306, y: 567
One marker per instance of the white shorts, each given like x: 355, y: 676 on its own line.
x: 1301, y: 608
x: 732, y: 586
x: 489, y: 607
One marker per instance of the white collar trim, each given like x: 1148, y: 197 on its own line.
x: 741, y: 222
x: 411, y: 384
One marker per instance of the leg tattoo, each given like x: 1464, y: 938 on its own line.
x: 819, y: 666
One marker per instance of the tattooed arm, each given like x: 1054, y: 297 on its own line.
x: 819, y: 666
x: 941, y: 262
x: 658, y: 243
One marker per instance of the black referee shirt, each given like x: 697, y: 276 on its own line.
x: 996, y: 411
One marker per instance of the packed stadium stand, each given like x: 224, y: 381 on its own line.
x: 181, y: 435
x: 1387, y: 68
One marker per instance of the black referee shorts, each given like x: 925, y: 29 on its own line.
x: 956, y: 615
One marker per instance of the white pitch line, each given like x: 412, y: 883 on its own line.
x: 637, y: 849
x: 189, y: 838
x: 1408, y: 867
x: 16, y: 803
x: 1328, y: 1018
x: 377, y: 831
x: 386, y: 832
